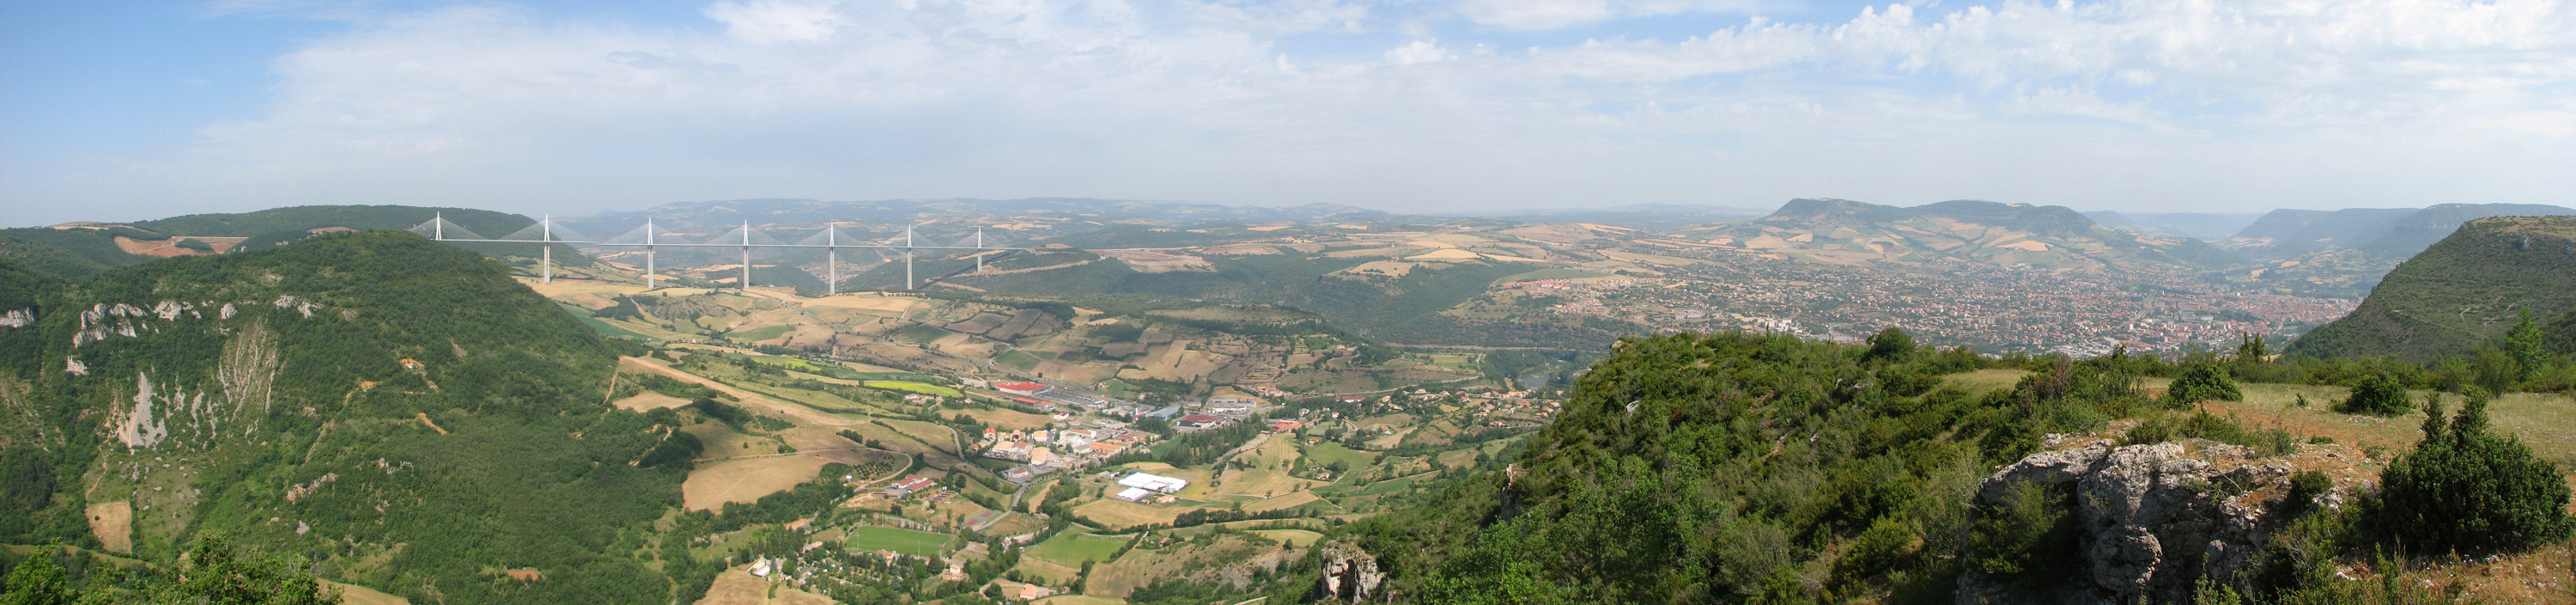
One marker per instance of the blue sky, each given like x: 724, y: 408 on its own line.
x: 123, y: 111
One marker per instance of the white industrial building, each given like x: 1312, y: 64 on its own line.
x: 1154, y: 482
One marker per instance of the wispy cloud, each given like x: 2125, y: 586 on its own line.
x: 2133, y: 104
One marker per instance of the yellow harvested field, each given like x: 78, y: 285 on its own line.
x: 1447, y: 254
x: 650, y: 401
x: 1004, y: 419
x: 891, y: 304
x: 1287, y: 501
x: 1048, y: 571
x: 113, y: 523
x: 353, y: 594
x: 1432, y: 244
x: 1261, y: 482
x: 712, y: 484
x: 569, y: 288
x: 1076, y: 599
x: 736, y: 587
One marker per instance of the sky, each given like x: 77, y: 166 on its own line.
x: 135, y: 110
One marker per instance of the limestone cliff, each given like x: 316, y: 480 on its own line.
x: 2151, y: 520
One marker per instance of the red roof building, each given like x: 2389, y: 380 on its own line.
x: 1023, y: 388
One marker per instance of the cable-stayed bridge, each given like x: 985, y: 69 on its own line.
x: 545, y: 232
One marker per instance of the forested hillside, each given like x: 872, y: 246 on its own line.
x: 2461, y: 294
x: 399, y: 411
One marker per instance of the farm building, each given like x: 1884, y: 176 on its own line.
x: 907, y: 486
x: 1154, y: 482
x: 1134, y: 494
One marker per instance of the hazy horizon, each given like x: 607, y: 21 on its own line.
x: 126, y: 113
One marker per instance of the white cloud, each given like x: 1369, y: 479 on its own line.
x: 765, y: 21
x: 1420, y: 51
x: 2134, y: 104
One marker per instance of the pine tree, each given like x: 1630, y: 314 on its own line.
x: 2524, y: 344
x: 2467, y: 490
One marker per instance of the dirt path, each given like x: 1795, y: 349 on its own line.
x: 798, y: 414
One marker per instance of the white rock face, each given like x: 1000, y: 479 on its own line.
x: 139, y: 429
x: 2154, y: 519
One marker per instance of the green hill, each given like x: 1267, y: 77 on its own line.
x: 2460, y: 294
x: 80, y: 252
x: 399, y: 411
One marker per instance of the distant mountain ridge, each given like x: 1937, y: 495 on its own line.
x: 2343, y: 253
x: 1846, y: 231
x: 2196, y: 225
x: 2461, y: 293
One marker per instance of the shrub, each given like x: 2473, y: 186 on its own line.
x: 2028, y: 534
x: 2375, y: 394
x: 2203, y: 382
x: 2469, y: 491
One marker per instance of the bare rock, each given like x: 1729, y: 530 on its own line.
x: 2152, y: 519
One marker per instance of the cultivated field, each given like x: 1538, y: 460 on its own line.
x: 736, y: 587
x: 649, y: 401
x: 745, y: 480
x: 1117, y: 514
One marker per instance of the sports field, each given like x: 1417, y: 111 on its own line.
x: 920, y: 543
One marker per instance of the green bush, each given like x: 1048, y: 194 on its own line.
x: 2466, y: 490
x: 2202, y: 382
x: 2028, y: 535
x: 2375, y: 394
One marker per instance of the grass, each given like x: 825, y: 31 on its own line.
x: 1981, y: 381
x: 1018, y: 360
x: 2538, y: 419
x: 921, y: 335
x: 916, y: 387
x: 920, y: 543
x: 1329, y: 452
x: 1077, y: 545
x: 761, y: 333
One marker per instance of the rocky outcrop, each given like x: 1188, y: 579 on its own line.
x: 1350, y: 575
x: 2151, y: 520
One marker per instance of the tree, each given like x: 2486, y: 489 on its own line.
x: 39, y: 581
x: 2203, y: 382
x: 2375, y: 394
x: 1890, y: 344
x: 2251, y: 348
x: 2466, y: 490
x: 215, y: 573
x: 2525, y: 344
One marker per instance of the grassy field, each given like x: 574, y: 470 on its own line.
x: 1018, y: 360
x: 1981, y: 381
x: 872, y: 539
x: 1076, y: 545
x: 761, y: 333
x: 1294, y: 537
x: 1328, y: 453
x: 353, y: 594
x: 916, y: 387
x: 2539, y: 419
x: 1116, y: 514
